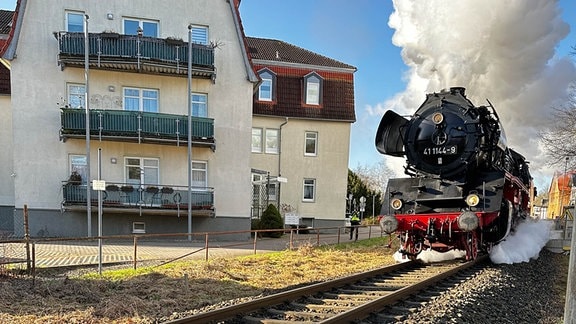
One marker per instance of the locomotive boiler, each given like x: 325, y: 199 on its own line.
x: 466, y: 189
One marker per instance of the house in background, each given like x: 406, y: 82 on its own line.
x: 302, y: 115
x: 137, y: 93
x: 561, y: 194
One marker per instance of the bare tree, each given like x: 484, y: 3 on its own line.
x: 559, y: 140
x: 375, y: 176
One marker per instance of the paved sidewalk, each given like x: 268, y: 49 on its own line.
x: 75, y: 253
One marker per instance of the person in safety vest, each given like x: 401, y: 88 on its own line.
x: 355, y: 222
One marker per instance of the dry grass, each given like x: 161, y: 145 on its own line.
x: 149, y: 294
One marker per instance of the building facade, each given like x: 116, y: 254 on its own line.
x: 302, y: 115
x: 135, y: 93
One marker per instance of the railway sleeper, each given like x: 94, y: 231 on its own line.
x: 348, y: 296
x: 363, y: 292
x: 257, y: 320
x: 322, y: 308
x: 353, y: 300
x: 296, y: 315
x: 363, y: 287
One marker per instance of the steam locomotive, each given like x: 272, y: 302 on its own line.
x: 467, y: 190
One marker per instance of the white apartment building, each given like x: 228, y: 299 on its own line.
x: 136, y: 90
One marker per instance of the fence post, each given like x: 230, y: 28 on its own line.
x: 33, y: 263
x: 27, y: 238
x: 135, y: 251
x: 317, y: 237
x: 291, y: 239
x: 339, y: 230
x: 206, y: 245
x: 255, y: 240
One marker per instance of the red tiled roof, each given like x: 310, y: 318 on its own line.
x: 337, y: 89
x: 276, y: 50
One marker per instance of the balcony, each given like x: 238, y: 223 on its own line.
x: 141, y: 199
x: 137, y: 126
x: 130, y: 53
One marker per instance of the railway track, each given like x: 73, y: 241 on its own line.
x: 363, y: 295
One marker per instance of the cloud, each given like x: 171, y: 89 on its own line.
x: 498, y: 50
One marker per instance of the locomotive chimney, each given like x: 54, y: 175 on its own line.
x: 460, y: 90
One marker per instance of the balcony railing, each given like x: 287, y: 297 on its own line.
x: 141, y: 198
x: 136, y: 54
x: 136, y: 126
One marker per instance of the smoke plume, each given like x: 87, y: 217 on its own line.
x: 503, y: 51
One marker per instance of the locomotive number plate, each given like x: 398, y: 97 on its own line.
x: 441, y: 150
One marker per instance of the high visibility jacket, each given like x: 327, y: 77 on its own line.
x: 355, y: 218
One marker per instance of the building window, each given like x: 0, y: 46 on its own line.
x: 75, y: 21
x: 78, y: 165
x: 138, y: 227
x: 311, y: 144
x: 313, y: 91
x: 309, y: 190
x: 141, y: 99
x: 272, y: 191
x: 149, y: 27
x: 199, y: 175
x: 141, y: 171
x: 257, y: 140
x: 266, y: 89
x: 76, y: 95
x: 199, y: 105
x: 200, y: 35
x: 272, y: 141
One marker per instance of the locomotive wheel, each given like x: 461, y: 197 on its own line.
x: 471, y: 246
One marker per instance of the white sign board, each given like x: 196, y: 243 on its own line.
x: 291, y: 219
x: 99, y: 185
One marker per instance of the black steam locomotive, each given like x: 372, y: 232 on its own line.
x: 467, y: 190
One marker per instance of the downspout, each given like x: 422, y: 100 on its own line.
x: 280, y: 157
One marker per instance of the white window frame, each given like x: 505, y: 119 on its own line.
x: 272, y: 140
x: 268, y: 79
x: 74, y: 13
x: 313, y: 91
x: 141, y: 98
x: 75, y: 96
x: 199, y: 175
x: 141, y: 22
x: 200, y: 35
x: 199, y: 104
x: 311, y: 136
x: 144, y: 169
x: 308, y: 183
x: 256, y: 140
x: 77, y: 162
x: 138, y: 228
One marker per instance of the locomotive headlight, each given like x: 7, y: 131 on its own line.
x: 472, y: 200
x: 389, y: 224
x: 396, y: 203
x: 468, y: 221
x: 437, y: 118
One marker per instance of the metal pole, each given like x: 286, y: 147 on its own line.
x: 99, y: 213
x: 190, y: 132
x: 570, y: 303
x: 86, y: 103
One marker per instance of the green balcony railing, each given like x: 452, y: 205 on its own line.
x: 122, y: 125
x: 143, y: 196
x: 130, y: 52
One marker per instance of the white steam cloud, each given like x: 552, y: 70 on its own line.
x: 498, y: 50
x: 524, y: 244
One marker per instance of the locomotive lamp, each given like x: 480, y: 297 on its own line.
x: 396, y: 203
x: 472, y: 200
x: 437, y: 118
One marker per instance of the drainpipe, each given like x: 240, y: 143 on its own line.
x: 280, y: 157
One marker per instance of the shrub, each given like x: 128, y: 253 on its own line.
x: 271, y: 219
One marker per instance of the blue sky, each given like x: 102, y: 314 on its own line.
x: 356, y: 33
